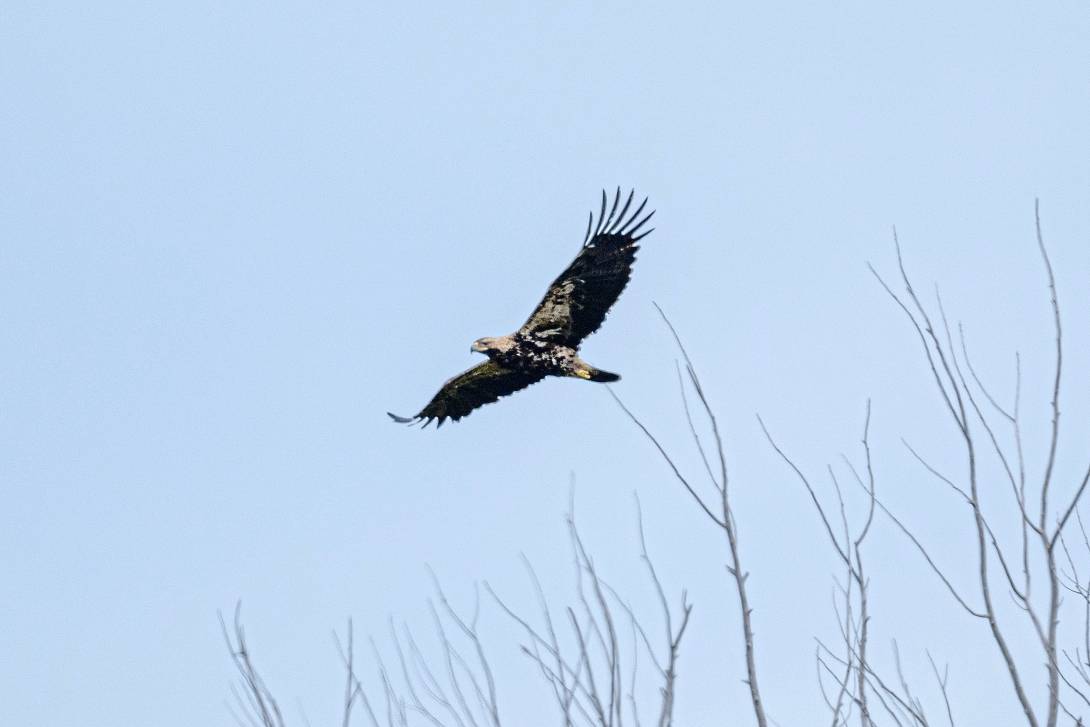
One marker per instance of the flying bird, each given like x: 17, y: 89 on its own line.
x: 547, y: 344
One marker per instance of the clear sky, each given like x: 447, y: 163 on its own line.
x: 232, y: 236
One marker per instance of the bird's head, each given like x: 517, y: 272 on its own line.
x: 483, y: 345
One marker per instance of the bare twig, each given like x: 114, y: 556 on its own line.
x: 720, y: 511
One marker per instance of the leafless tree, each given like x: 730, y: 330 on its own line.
x: 851, y: 604
x: 459, y: 690
x: 989, y: 428
x: 595, y: 681
x: 716, y: 505
x: 858, y: 685
x: 253, y: 703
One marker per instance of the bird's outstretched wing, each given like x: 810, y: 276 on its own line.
x: 480, y: 385
x: 577, y: 302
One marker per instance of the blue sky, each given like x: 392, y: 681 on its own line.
x: 233, y: 236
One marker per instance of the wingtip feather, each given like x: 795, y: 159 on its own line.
x: 633, y: 230
x: 623, y: 229
x: 601, y: 215
x: 624, y: 210
x: 613, y: 223
x: 608, y: 222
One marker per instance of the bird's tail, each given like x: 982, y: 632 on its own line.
x: 603, y: 377
x: 584, y: 370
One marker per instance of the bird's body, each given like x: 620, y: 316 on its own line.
x: 532, y: 354
x: 547, y: 344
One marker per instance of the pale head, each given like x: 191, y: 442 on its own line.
x: 484, y: 345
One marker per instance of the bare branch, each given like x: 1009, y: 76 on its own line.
x: 723, y: 517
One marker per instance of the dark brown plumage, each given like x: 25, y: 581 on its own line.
x: 574, y: 307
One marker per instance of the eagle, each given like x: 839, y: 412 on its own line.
x: 547, y: 344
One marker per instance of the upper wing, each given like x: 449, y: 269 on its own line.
x: 480, y: 385
x: 577, y: 302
